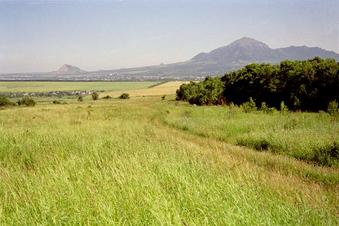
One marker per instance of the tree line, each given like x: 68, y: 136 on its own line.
x: 308, y: 85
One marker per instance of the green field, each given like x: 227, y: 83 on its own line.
x: 69, y: 86
x: 147, y: 161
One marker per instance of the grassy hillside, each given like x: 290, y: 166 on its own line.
x: 306, y: 136
x: 150, y: 161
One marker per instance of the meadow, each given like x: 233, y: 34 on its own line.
x: 148, y: 161
x: 33, y: 86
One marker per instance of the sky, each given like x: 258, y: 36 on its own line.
x: 42, y: 35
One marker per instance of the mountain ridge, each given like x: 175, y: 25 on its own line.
x: 216, y: 62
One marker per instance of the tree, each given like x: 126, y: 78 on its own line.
x: 95, y: 96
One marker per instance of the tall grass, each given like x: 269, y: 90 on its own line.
x: 300, y: 135
x: 111, y: 162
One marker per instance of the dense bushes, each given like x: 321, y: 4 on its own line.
x: 4, y: 102
x: 27, y: 101
x: 206, y: 92
x: 301, y: 85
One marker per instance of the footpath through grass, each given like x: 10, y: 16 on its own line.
x: 313, y: 137
x: 116, y: 162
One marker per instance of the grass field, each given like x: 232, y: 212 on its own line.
x: 69, y: 86
x: 147, y: 161
x: 298, y: 135
x: 167, y: 88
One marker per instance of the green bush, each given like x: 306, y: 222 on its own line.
x: 4, y: 102
x: 27, y: 101
x: 332, y: 107
x: 95, y: 96
x: 249, y: 106
x: 268, y: 110
x: 80, y: 99
x: 283, y: 107
x: 124, y: 96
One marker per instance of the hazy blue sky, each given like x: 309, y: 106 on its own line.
x: 37, y: 35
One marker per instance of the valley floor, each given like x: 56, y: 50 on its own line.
x: 147, y: 161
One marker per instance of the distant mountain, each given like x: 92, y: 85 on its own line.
x: 247, y: 50
x: 67, y: 69
x: 231, y: 57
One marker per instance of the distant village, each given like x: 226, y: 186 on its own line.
x: 50, y: 93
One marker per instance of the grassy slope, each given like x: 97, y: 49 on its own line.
x: 115, y: 162
x: 294, y: 134
x: 67, y: 86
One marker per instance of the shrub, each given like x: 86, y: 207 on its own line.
x: 327, y: 155
x: 95, y: 96
x: 332, y: 107
x: 27, y: 101
x: 249, y: 106
x: 59, y: 102
x: 283, y: 107
x: 124, y: 96
x: 56, y: 102
x: 80, y: 99
x: 107, y: 97
x: 163, y: 97
x: 4, y: 101
x: 264, y: 108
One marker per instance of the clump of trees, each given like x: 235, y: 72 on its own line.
x: 308, y: 85
x: 207, y: 92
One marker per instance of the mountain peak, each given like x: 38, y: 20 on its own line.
x: 248, y: 42
x: 243, y: 49
x: 68, y: 69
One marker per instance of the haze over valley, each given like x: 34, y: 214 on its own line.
x: 216, y: 62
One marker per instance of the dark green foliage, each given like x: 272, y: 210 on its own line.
x: 206, y: 92
x: 303, y: 85
x: 307, y: 85
x: 124, y: 96
x: 95, y: 96
x: 107, y: 97
x: 80, y: 99
x: 4, y: 102
x: 27, y: 101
